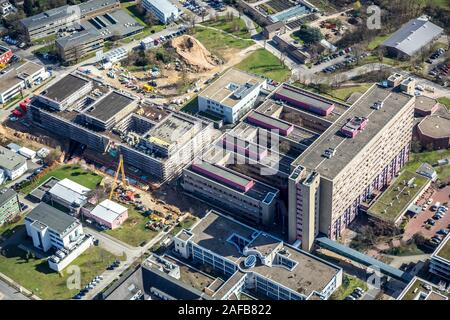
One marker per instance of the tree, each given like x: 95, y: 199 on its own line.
x: 28, y: 7
x: 309, y: 34
x: 150, y: 19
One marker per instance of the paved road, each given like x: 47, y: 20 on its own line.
x: 9, y: 293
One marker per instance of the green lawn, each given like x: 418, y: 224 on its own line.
x: 264, y: 63
x: 73, y: 172
x: 349, y: 283
x: 389, y: 196
x: 377, y: 41
x: 36, y: 276
x: 236, y: 26
x: 6, y: 229
x: 344, y: 93
x: 431, y: 157
x: 445, y: 101
x: 185, y: 224
x: 133, y: 230
x: 218, y: 42
x: 191, y: 107
x: 404, y: 250
x: 294, y: 35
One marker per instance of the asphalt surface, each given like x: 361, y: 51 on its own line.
x: 9, y: 293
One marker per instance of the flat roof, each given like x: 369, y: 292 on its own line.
x: 5, y: 196
x: 10, y: 160
x: 48, y: 16
x: 309, y: 274
x: 215, y: 171
x: 419, y: 289
x: 69, y: 191
x: 272, y: 122
x: 424, y: 103
x: 64, y: 88
x: 346, y: 148
x: 78, y: 38
x: 94, y: 5
x: 299, y: 95
x: 108, y: 106
x: 221, y: 91
x: 13, y: 76
x: 108, y: 210
x: 53, y: 218
x: 435, y: 126
x: 171, y: 129
x: 117, y: 22
x: 443, y: 251
x: 165, y: 6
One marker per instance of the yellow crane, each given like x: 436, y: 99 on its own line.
x: 120, y: 168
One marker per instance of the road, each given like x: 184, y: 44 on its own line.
x: 9, y: 293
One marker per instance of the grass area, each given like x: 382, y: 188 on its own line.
x: 7, y: 229
x: 296, y: 37
x: 397, y: 189
x: 265, y: 64
x: 132, y: 9
x: 185, y: 224
x: 349, y: 284
x: 385, y: 60
x: 236, y: 26
x: 430, y: 157
x: 73, y: 172
x: 50, y: 49
x: 344, y: 93
x: 410, y: 249
x: 218, y: 42
x: 36, y: 276
x: 133, y: 230
x: 445, y: 101
x: 45, y: 40
x: 377, y: 41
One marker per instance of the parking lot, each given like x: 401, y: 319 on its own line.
x: 418, y: 224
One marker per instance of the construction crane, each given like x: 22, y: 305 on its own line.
x: 121, y: 169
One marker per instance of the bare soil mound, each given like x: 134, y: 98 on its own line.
x: 194, y: 54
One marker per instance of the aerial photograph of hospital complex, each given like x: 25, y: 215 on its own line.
x: 230, y: 150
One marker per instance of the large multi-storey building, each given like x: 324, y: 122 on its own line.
x: 154, y: 140
x: 78, y: 45
x: 360, y: 152
x: 232, y: 95
x: 164, y: 10
x: 9, y: 205
x: 254, y: 261
x: 49, y: 23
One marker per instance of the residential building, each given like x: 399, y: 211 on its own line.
x: 425, y: 106
x: 360, y: 152
x: 69, y: 194
x: 51, y: 229
x: 5, y: 56
x: 414, y: 36
x: 232, y: 95
x: 420, y: 289
x: 164, y: 10
x: 12, y: 163
x: 9, y: 205
x: 440, y: 260
x: 243, y: 197
x: 78, y: 45
x: 108, y: 213
x: 255, y: 261
x: 15, y: 80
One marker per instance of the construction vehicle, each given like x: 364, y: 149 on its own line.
x: 120, y: 169
x: 148, y: 88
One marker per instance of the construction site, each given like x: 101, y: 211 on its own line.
x: 171, y: 74
x: 106, y: 122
